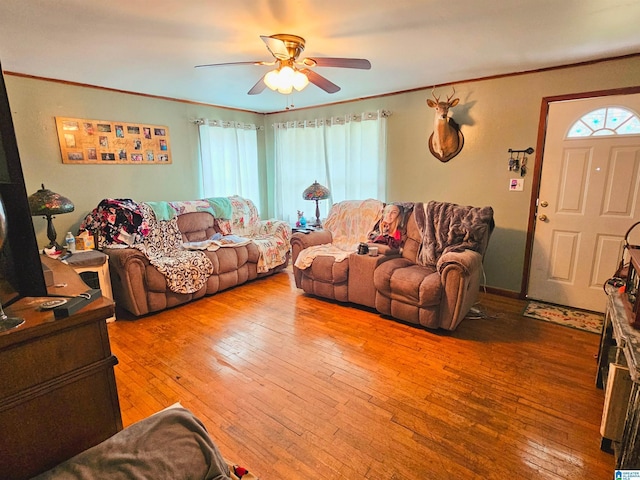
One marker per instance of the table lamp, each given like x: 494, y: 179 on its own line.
x: 46, y: 203
x: 316, y: 192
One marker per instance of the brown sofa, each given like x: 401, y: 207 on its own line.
x: 141, y: 285
x: 400, y: 283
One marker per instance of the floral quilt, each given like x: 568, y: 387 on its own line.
x: 272, y: 237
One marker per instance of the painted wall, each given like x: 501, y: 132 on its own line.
x: 34, y: 106
x: 495, y: 115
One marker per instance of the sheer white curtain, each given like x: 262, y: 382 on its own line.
x: 229, y: 159
x: 347, y: 154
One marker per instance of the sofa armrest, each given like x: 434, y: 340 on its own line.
x: 127, y: 267
x: 460, y: 274
x: 300, y: 241
x: 467, y: 261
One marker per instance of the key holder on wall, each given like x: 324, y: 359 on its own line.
x: 519, y: 162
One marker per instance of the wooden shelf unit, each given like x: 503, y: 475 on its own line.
x: 620, y: 346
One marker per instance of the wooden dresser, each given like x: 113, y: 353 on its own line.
x: 58, y: 393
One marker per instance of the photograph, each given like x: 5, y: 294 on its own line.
x: 147, y: 132
x: 137, y: 144
x: 163, y: 157
x: 75, y: 156
x: 136, y: 157
x: 132, y: 130
x: 92, y: 154
x: 70, y: 140
x: 150, y: 156
x: 104, y: 141
x: 163, y: 144
x: 159, y: 132
x: 111, y: 157
x: 122, y: 154
x: 70, y: 125
x: 104, y: 127
x: 88, y: 128
x: 119, y: 131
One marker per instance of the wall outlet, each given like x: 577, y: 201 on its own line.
x: 516, y: 184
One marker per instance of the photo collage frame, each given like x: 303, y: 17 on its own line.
x: 100, y: 142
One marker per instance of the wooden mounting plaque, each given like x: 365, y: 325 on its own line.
x: 104, y: 142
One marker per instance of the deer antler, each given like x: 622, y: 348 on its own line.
x: 437, y: 99
x: 454, y: 92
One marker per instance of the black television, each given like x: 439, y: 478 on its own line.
x: 21, y: 273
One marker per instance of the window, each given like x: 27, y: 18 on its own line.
x: 347, y: 154
x: 604, y: 122
x: 229, y: 159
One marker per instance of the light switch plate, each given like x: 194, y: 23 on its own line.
x: 516, y: 184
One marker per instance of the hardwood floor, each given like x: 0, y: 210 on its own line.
x: 293, y: 386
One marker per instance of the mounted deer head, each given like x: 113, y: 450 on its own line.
x: 446, y: 141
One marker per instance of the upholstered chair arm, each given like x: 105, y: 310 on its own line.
x: 300, y: 241
x: 460, y: 274
x: 128, y: 267
x: 467, y: 261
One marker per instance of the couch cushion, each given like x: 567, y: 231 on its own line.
x: 401, y: 280
x: 325, y: 269
x: 196, y: 226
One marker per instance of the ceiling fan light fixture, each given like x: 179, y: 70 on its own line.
x: 271, y: 79
x: 285, y: 80
x: 300, y: 80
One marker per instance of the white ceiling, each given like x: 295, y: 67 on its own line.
x: 151, y: 47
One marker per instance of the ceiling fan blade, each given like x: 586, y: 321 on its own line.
x: 276, y: 46
x: 234, y: 63
x: 360, y: 63
x: 258, y: 87
x: 318, y: 80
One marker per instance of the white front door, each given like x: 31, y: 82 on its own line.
x: 589, y: 197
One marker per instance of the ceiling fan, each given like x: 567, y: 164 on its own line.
x: 290, y: 72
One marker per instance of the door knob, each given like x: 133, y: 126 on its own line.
x: 544, y: 203
x: 543, y: 218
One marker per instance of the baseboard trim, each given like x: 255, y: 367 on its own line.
x: 502, y: 292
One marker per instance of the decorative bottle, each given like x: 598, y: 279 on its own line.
x: 71, y: 242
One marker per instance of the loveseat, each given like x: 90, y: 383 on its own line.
x: 163, y: 254
x: 431, y: 277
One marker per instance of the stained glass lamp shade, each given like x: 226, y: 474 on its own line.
x: 316, y: 192
x: 47, y: 203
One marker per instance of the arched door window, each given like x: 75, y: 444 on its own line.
x: 606, y: 121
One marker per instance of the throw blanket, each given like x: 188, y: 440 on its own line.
x: 349, y: 222
x: 272, y: 237
x: 447, y: 227
x: 115, y: 222
x: 219, y: 207
x: 217, y: 241
x: 170, y: 444
x: 186, y: 271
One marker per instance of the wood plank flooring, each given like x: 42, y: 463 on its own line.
x: 295, y: 387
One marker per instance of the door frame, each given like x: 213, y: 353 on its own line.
x: 537, y: 169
